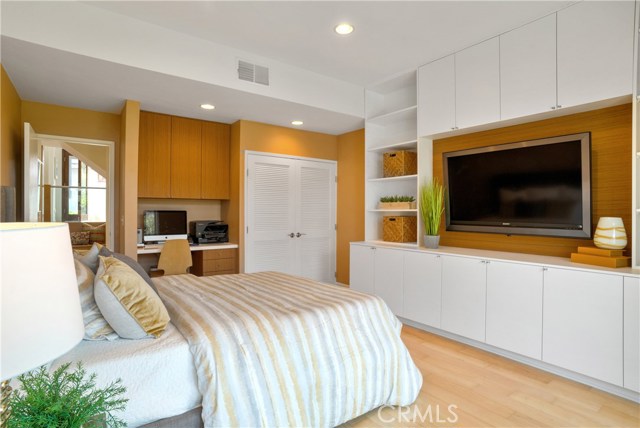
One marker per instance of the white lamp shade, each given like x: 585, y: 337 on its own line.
x: 40, y: 316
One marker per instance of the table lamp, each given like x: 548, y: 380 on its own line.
x: 40, y: 314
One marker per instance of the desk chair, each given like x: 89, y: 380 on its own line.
x: 175, y: 257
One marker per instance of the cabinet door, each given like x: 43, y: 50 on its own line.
x: 388, y: 274
x: 514, y: 308
x: 595, y: 51
x: 186, y: 154
x: 528, y: 69
x: 632, y: 333
x: 422, y: 288
x: 154, y: 149
x: 436, y: 97
x: 478, y: 84
x: 464, y: 291
x: 361, y: 268
x: 215, y: 160
x: 582, y: 319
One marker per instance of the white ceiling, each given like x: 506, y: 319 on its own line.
x: 390, y: 37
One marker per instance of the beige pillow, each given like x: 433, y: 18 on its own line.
x: 127, y: 302
x: 90, y: 258
x: 95, y: 326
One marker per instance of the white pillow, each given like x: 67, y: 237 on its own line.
x: 95, y: 326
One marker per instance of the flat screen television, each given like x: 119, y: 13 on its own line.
x: 537, y: 187
x: 161, y: 225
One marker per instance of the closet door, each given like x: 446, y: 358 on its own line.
x: 316, y: 219
x: 270, y: 242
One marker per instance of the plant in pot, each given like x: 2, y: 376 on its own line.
x: 431, y: 210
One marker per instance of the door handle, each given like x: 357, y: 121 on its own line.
x: 300, y: 234
x: 291, y: 235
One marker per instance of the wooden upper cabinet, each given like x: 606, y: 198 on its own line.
x: 186, y: 153
x: 215, y: 160
x: 154, y: 163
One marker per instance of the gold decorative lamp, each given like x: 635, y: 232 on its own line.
x: 40, y: 314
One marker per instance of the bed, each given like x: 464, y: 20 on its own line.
x: 265, y: 349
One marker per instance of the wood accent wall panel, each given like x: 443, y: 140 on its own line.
x: 154, y: 150
x: 186, y: 158
x: 610, y: 175
x: 215, y: 160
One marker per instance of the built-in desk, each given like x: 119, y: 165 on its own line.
x: 208, y: 259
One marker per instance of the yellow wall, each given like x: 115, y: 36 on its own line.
x: 129, y: 136
x: 350, y: 198
x: 11, y: 139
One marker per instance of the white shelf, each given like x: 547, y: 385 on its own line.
x: 399, y: 178
x: 404, y: 145
x: 410, y: 210
x: 403, y: 114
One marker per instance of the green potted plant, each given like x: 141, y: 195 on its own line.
x: 397, y: 203
x: 431, y: 210
x: 65, y: 398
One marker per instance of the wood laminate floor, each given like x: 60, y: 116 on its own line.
x: 491, y: 391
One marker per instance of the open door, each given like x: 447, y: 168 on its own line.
x: 32, y: 169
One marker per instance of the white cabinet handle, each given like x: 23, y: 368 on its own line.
x: 291, y: 235
x: 559, y: 106
x: 299, y: 234
x: 553, y: 107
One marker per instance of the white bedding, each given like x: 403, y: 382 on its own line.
x: 159, y: 373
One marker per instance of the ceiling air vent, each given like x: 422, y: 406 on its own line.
x: 253, y: 73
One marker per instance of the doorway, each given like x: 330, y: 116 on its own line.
x: 290, y: 215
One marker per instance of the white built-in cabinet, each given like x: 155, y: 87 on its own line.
x: 422, y: 287
x: 583, y: 323
x: 514, y: 307
x: 464, y: 289
x: 528, y: 69
x: 582, y: 54
x: 586, y: 321
x: 632, y: 333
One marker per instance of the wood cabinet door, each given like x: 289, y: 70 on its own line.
x: 514, y: 308
x: 464, y: 291
x: 154, y: 151
x: 478, y: 84
x: 422, y: 287
x: 361, y: 268
x: 436, y: 97
x: 528, y: 69
x: 582, y: 323
x: 186, y: 158
x: 595, y: 51
x: 215, y: 160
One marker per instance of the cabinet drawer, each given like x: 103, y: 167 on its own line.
x: 226, y: 253
x: 218, y: 265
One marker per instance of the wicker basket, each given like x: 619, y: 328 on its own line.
x: 399, y: 163
x: 400, y: 228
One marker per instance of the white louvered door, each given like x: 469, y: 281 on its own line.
x: 290, y: 216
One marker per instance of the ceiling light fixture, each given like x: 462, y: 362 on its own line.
x: 207, y: 106
x: 344, y: 29
x: 297, y: 122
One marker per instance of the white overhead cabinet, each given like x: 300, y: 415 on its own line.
x: 422, y: 287
x: 528, y: 69
x: 464, y: 291
x: 437, y: 96
x: 514, y: 308
x: 595, y: 51
x: 582, y: 322
x: 478, y: 84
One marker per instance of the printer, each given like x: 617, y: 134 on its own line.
x: 208, y: 231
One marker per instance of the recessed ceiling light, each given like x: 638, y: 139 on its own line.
x: 297, y: 122
x: 344, y: 29
x: 207, y: 106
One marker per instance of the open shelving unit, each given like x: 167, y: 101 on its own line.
x: 390, y: 125
x: 634, y: 237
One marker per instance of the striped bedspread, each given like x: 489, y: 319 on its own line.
x: 275, y: 350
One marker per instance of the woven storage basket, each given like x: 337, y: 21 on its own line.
x: 400, y: 228
x: 399, y: 163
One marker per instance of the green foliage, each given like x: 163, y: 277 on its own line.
x: 64, y: 399
x: 432, y: 206
x: 397, y: 198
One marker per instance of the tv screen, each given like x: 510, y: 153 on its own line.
x: 160, y: 225
x: 538, y: 187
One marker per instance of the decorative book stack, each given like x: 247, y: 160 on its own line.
x: 601, y: 257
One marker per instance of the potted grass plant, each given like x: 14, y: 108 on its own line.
x: 431, y: 209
